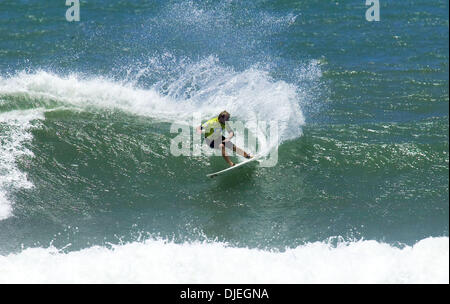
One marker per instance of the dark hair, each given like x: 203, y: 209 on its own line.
x: 224, y: 114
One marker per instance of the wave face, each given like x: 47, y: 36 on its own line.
x: 359, y: 191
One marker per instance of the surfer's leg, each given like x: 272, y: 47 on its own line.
x: 235, y: 149
x: 214, y: 144
x: 241, y: 152
x: 225, y: 156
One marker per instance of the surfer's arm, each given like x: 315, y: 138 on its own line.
x: 230, y: 133
x: 230, y: 136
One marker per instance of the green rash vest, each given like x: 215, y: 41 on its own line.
x: 214, y: 129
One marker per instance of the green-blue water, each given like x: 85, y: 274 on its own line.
x: 86, y: 110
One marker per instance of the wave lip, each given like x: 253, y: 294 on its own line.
x: 205, y: 87
x: 159, y: 261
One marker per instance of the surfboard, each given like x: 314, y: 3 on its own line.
x: 245, y: 162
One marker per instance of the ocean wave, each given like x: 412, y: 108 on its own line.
x: 205, y: 87
x: 160, y: 261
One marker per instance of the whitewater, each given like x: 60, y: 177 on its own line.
x: 160, y: 261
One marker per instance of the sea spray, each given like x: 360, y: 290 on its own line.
x: 14, y: 134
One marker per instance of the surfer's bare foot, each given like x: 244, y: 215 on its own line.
x: 232, y: 164
x: 248, y: 156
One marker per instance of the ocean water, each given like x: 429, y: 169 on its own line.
x: 90, y: 190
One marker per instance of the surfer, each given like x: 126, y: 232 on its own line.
x: 214, y: 136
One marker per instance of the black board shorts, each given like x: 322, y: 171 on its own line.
x: 213, y: 143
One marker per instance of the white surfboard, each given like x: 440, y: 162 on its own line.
x: 235, y: 166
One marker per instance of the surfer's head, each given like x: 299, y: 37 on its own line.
x: 224, y: 116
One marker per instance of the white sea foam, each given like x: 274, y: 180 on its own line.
x: 157, y: 261
x: 15, y: 132
x: 204, y: 87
